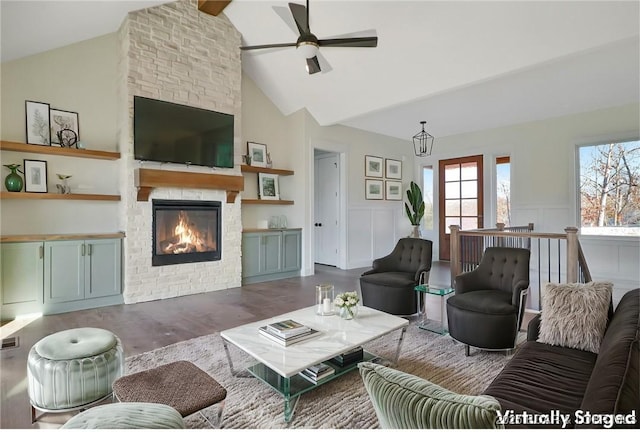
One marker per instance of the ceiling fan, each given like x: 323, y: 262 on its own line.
x: 308, y: 44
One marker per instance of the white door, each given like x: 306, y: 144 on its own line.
x: 326, y: 208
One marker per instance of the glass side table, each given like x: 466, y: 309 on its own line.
x: 443, y: 292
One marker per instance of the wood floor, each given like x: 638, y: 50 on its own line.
x: 146, y: 326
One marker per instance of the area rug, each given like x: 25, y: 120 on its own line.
x: 340, y: 404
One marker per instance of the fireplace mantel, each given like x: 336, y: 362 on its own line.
x: 148, y: 179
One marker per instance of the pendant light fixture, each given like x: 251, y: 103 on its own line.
x: 423, y: 142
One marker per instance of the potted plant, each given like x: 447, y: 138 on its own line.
x: 416, y: 212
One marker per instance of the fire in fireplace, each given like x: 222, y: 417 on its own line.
x: 186, y: 231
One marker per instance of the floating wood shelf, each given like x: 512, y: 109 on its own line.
x: 148, y: 179
x: 255, y: 169
x: 268, y: 202
x: 58, y: 151
x: 57, y: 196
x: 49, y: 237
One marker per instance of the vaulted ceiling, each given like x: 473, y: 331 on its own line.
x: 460, y: 65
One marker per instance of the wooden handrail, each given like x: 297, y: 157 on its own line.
x: 496, y: 233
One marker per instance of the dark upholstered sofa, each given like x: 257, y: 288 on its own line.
x: 541, y: 378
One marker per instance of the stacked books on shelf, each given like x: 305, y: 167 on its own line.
x: 317, y: 372
x: 287, y: 332
x: 346, y: 358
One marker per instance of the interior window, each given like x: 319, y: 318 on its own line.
x: 609, y: 193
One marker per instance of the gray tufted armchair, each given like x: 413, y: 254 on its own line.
x: 487, y: 307
x: 389, y: 285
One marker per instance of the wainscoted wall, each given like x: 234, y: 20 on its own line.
x: 373, y: 232
x: 177, y: 54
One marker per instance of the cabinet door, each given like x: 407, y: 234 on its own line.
x: 103, y: 268
x: 271, y: 252
x: 64, y: 271
x: 291, y: 242
x: 21, y: 273
x: 251, y: 252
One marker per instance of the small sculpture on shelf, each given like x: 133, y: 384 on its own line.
x: 13, y: 182
x: 269, y: 163
x: 64, y: 188
x: 247, y: 159
x: 67, y: 138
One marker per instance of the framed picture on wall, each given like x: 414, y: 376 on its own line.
x: 65, y: 130
x: 393, y: 169
x: 372, y: 166
x: 393, y: 190
x: 258, y: 154
x: 373, y: 189
x: 35, y: 176
x: 38, y: 123
x: 268, y: 187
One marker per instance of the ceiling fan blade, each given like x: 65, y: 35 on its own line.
x: 255, y: 47
x: 313, y: 66
x: 360, y: 42
x: 300, y: 16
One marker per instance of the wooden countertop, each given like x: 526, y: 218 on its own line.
x: 254, y: 230
x: 49, y: 237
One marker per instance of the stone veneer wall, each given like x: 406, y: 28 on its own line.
x: 176, y: 53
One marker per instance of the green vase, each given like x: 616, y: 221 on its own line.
x: 13, y: 181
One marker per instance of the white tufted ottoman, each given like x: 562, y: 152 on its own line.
x: 73, y: 368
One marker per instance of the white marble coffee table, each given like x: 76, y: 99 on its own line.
x: 279, y: 366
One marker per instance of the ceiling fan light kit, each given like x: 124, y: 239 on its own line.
x: 423, y: 142
x: 308, y: 44
x: 307, y: 49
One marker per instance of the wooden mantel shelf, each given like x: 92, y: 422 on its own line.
x: 148, y: 179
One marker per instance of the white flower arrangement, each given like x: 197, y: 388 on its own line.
x: 347, y: 302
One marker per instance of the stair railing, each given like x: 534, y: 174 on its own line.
x: 555, y: 256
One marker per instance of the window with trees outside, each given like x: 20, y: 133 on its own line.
x: 609, y: 191
x: 503, y: 190
x: 427, y: 195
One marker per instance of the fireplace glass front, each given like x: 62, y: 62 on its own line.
x: 186, y: 231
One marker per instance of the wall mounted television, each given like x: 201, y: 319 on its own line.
x: 169, y: 132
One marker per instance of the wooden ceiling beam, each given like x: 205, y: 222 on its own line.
x: 212, y: 7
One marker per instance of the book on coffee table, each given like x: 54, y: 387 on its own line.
x: 287, y: 328
x: 264, y: 331
x: 317, y: 372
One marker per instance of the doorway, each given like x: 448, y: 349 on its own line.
x: 326, y: 207
x: 461, y: 200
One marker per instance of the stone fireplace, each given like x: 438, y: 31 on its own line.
x: 175, y: 53
x: 186, y: 232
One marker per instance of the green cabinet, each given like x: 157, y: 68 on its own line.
x: 60, y: 276
x: 78, y: 270
x: 21, y: 278
x: 270, y: 254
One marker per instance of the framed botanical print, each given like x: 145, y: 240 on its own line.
x: 372, y: 166
x: 35, y: 176
x: 393, y: 190
x: 65, y: 130
x: 393, y: 169
x: 373, y: 189
x: 38, y: 123
x: 268, y: 187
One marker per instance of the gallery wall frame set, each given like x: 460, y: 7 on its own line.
x: 389, y: 169
x: 50, y: 126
